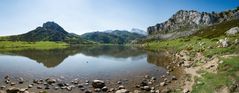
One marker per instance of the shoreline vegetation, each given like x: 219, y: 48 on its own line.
x: 209, y: 67
x: 41, y: 45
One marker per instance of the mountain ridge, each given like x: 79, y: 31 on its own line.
x: 49, y: 31
x: 112, y: 36
x: 187, y: 22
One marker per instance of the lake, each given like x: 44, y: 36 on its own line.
x: 109, y: 63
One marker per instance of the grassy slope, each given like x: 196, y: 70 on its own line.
x: 193, y: 42
x: 18, y: 45
x: 225, y: 77
x: 209, y: 36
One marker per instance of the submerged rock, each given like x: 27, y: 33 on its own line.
x: 21, y: 80
x: 51, y: 80
x: 98, y: 83
x: 13, y: 90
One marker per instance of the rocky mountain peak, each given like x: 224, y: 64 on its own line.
x: 188, y: 20
x: 52, y: 26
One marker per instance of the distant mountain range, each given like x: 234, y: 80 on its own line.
x: 133, y: 30
x: 50, y: 31
x: 114, y: 36
x: 185, y: 23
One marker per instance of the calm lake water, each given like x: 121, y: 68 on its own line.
x: 86, y: 62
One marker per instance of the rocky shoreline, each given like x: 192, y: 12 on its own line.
x: 147, y: 84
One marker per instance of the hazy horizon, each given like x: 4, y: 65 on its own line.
x: 81, y: 16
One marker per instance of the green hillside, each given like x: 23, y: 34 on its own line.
x: 50, y: 31
x: 114, y: 37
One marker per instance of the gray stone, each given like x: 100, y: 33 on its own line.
x: 98, y: 83
x: 39, y: 87
x: 51, y: 80
x: 186, y: 91
x: 13, y: 84
x: 122, y: 91
x: 137, y: 91
x: 236, y: 42
x: 2, y: 87
x: 80, y: 85
x: 147, y: 88
x: 233, y: 31
x: 174, y: 78
x: 97, y: 89
x: 21, y: 80
x: 121, y: 87
x: 162, y: 84
x: 88, y: 91
x: 30, y: 86
x: 13, y: 90
x: 104, y: 88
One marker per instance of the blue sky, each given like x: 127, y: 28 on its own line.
x: 80, y: 16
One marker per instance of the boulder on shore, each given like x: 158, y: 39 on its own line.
x: 233, y: 31
x: 98, y: 83
x: 223, y: 42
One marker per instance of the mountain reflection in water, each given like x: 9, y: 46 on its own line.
x: 52, y: 58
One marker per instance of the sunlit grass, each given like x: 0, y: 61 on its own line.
x: 18, y: 45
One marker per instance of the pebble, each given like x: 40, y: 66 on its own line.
x: 2, y: 87
x: 111, y: 90
x: 7, y: 77
x: 80, y: 85
x: 186, y: 90
x: 39, y: 87
x: 122, y: 91
x: 121, y: 87
x: 147, y: 88
x: 97, y: 90
x: 150, y: 83
x: 137, y: 91
x: 82, y: 89
x: 21, y: 80
x: 69, y: 88
x: 143, y: 83
x: 13, y: 84
x: 7, y: 81
x: 30, y: 86
x: 119, y: 82
x: 104, y: 88
x: 162, y: 84
x: 174, y: 78
x: 56, y: 88
x: 98, y: 83
x: 153, y: 78
x: 88, y: 91
x: 146, y: 76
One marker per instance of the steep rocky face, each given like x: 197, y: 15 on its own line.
x: 52, y: 26
x: 191, y: 20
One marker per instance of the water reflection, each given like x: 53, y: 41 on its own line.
x: 54, y: 57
